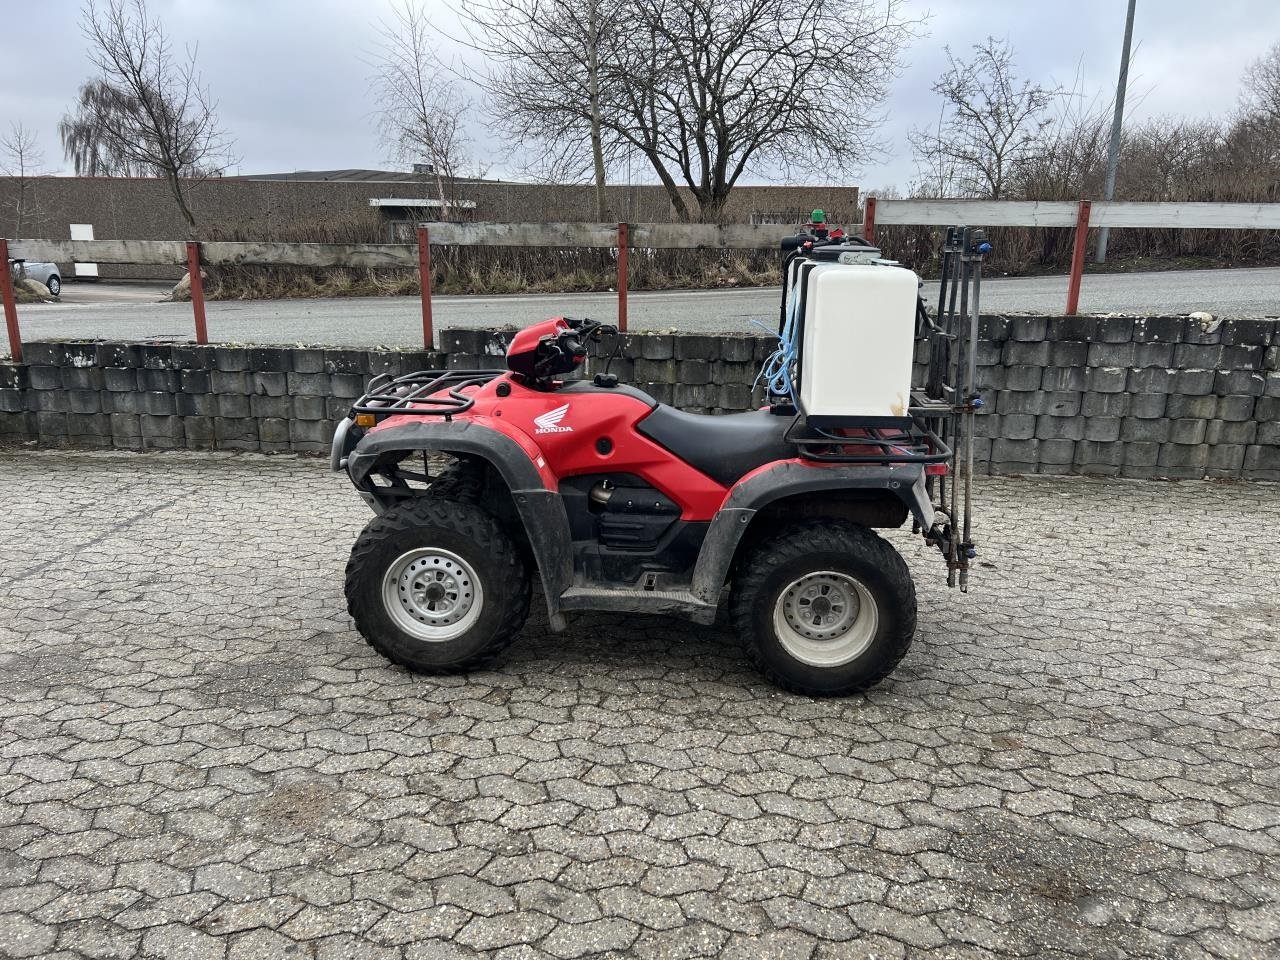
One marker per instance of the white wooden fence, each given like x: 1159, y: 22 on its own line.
x: 1065, y: 213
x: 192, y: 255
x: 621, y: 237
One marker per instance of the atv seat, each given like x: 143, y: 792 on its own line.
x: 725, y: 447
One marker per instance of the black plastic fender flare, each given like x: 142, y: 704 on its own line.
x: 788, y: 479
x: 541, y: 510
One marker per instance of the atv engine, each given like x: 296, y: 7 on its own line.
x: 625, y: 529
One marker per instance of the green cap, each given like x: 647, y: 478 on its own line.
x: 818, y: 217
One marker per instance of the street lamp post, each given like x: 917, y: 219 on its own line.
x: 1113, y: 149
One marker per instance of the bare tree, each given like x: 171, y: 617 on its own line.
x: 545, y: 68
x: 1261, y: 93
x: 708, y: 90
x: 704, y: 90
x: 992, y: 124
x: 147, y: 111
x: 21, y: 159
x: 421, y: 110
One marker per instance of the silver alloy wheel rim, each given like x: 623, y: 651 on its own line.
x: 55, y: 286
x: 825, y: 618
x: 432, y: 594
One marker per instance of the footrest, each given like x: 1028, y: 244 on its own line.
x: 636, y: 600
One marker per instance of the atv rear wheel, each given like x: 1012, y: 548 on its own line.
x: 826, y: 607
x: 436, y: 586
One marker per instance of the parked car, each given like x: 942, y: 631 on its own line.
x: 40, y: 271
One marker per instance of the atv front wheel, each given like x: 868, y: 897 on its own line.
x: 462, y: 480
x: 826, y: 607
x: 436, y: 586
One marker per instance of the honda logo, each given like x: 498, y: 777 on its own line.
x: 549, y: 422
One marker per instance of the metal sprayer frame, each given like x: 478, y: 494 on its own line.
x: 952, y: 392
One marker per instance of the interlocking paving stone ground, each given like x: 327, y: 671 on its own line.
x: 200, y: 758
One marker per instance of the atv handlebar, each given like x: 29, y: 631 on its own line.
x: 564, y: 352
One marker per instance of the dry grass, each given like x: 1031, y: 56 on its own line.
x: 272, y: 283
x: 503, y: 270
x: 22, y: 295
x: 478, y: 270
x: 1027, y: 251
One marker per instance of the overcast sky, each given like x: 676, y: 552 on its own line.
x: 291, y: 79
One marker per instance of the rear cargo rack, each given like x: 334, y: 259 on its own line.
x: 912, y: 439
x: 938, y: 427
x: 414, y: 393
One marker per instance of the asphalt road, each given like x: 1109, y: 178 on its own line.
x: 133, y: 311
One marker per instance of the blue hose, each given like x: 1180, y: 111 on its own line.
x: 775, y: 373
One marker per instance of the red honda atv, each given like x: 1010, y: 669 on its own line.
x: 613, y: 501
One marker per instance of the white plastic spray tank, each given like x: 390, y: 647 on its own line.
x: 858, y: 342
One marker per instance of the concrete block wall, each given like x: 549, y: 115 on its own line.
x: 1116, y: 396
x: 1130, y: 396
x: 162, y: 396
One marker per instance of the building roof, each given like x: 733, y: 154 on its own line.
x: 352, y: 175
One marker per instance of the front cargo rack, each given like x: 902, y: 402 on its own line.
x: 414, y: 393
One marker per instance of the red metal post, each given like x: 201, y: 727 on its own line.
x: 197, y: 290
x: 1077, y: 258
x: 424, y: 282
x: 869, y: 221
x: 10, y: 304
x: 624, y: 242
